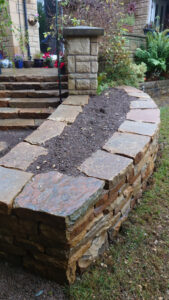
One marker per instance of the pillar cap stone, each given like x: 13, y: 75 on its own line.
x: 82, y: 31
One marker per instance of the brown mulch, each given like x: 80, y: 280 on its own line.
x: 92, y: 128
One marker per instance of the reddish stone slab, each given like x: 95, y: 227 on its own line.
x: 144, y: 115
x: 127, y: 144
x: 60, y: 195
x: 139, y: 128
x: 106, y: 166
x: 21, y: 156
x: 11, y: 183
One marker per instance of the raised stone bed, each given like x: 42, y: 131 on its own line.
x: 54, y: 224
x: 156, y: 88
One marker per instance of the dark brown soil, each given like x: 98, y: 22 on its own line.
x: 98, y: 121
x: 17, y: 284
x: 12, y: 138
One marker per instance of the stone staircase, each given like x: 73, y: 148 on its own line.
x: 25, y: 101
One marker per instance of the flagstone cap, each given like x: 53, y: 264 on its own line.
x: 82, y: 31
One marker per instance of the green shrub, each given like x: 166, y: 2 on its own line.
x: 156, y: 54
x: 119, y: 68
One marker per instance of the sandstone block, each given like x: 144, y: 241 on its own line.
x: 71, y: 64
x: 85, y: 76
x: 46, y: 131
x: 71, y: 84
x: 83, y: 67
x: 130, y: 145
x: 82, y: 84
x: 142, y: 104
x: 94, y: 67
x: 79, y: 100
x: 94, y: 48
x: 3, y: 146
x: 139, y: 128
x: 78, y: 46
x: 66, y: 113
x: 11, y: 183
x: 22, y: 155
x: 83, y: 58
x: 106, y: 166
x: 93, y: 84
x: 144, y: 115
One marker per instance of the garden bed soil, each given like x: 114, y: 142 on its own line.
x: 11, y: 138
x: 100, y: 118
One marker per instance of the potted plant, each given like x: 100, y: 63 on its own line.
x: 129, y: 20
x: 27, y: 63
x: 33, y: 19
x: 38, y: 60
x: 48, y: 60
x: 149, y: 28
x: 18, y: 61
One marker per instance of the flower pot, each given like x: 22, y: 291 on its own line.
x: 27, y: 64
x: 19, y: 64
x: 146, y: 30
x: 38, y: 63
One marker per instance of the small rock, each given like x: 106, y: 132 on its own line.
x: 38, y: 168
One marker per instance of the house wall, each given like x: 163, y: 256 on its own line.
x: 143, y: 8
x: 16, y: 12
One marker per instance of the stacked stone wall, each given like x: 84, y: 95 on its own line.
x: 156, y: 88
x: 54, y: 224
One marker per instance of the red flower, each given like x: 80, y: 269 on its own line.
x: 61, y: 64
x: 46, y: 55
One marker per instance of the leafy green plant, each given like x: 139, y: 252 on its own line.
x: 156, y: 54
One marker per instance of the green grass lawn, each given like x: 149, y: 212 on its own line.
x: 135, y: 267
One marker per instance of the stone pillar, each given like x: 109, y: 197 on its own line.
x: 82, y: 58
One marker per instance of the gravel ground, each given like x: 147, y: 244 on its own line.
x: 17, y: 284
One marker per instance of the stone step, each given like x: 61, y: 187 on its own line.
x: 31, y: 78
x: 32, y: 85
x: 31, y: 93
x: 20, y: 123
x: 31, y: 102
x: 25, y: 113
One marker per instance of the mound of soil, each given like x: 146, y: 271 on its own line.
x: 100, y: 118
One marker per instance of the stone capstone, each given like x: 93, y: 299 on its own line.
x: 138, y: 127
x: 11, y: 183
x: 46, y: 131
x: 127, y: 144
x: 21, y: 156
x: 66, y: 113
x: 106, y: 166
x: 60, y: 195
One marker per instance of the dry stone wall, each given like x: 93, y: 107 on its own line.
x: 54, y: 224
